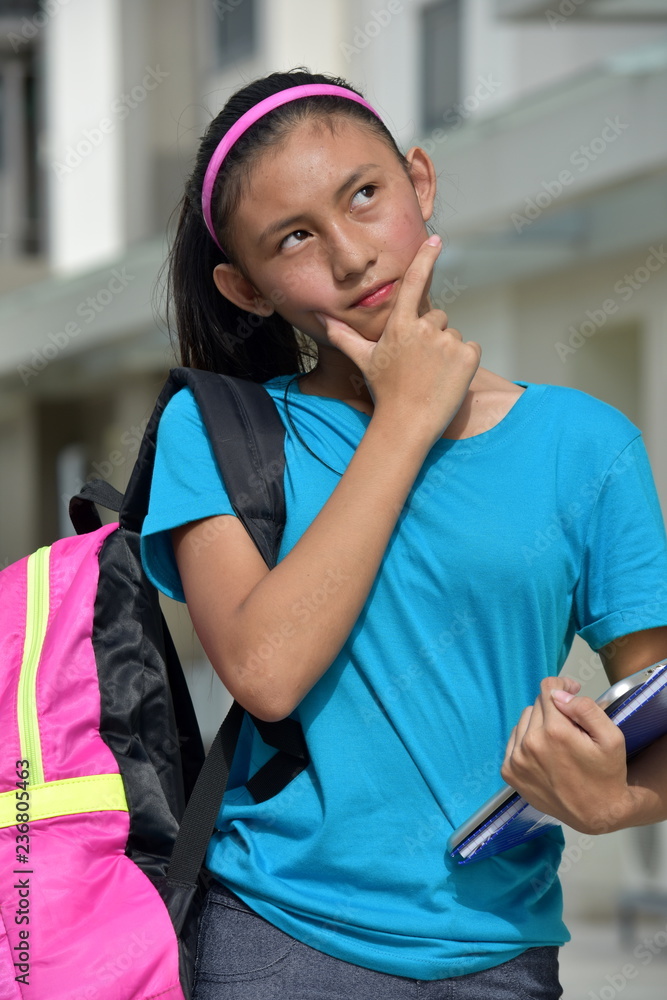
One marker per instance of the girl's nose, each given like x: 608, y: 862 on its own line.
x: 351, y: 254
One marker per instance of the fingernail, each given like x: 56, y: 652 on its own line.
x: 562, y: 696
x: 434, y: 241
x: 321, y: 318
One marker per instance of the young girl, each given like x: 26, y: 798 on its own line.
x: 416, y: 606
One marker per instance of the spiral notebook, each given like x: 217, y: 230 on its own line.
x: 507, y: 820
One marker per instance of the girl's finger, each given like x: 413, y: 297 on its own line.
x: 509, y: 749
x: 346, y: 339
x: 572, y: 685
x: 438, y: 317
x: 589, y: 717
x: 414, y: 282
x: 544, y: 706
x: 523, y: 724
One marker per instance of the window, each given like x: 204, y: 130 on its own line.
x: 441, y: 62
x: 19, y: 114
x: 3, y: 119
x: 236, y: 31
x: 15, y: 8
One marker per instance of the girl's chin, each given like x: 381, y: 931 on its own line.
x: 371, y: 331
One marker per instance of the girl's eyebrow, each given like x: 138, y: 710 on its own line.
x: 355, y: 176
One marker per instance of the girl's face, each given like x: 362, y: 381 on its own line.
x: 329, y: 222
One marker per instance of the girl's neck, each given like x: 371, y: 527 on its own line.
x: 345, y: 384
x: 349, y: 384
x: 488, y: 400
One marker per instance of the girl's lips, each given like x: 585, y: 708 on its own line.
x: 379, y: 295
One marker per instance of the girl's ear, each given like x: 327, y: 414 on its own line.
x: 236, y: 287
x: 423, y: 177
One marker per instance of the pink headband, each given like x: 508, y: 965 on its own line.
x: 249, y: 118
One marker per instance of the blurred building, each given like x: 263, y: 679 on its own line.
x: 546, y: 124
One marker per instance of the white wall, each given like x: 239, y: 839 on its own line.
x: 527, y: 56
x: 83, y: 156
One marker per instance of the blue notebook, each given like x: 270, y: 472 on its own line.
x: 638, y: 706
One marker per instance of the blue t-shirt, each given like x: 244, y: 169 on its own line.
x: 509, y: 543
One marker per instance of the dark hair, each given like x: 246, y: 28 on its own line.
x: 213, y: 333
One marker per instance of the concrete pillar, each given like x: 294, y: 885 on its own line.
x: 380, y: 50
x: 302, y: 33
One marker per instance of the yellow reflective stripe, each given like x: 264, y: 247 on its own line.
x: 37, y: 616
x: 92, y: 793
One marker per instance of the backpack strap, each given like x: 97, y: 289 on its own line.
x: 189, y: 851
x: 82, y: 511
x: 292, y: 757
x: 247, y: 436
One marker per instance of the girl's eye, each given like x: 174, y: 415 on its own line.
x: 301, y: 235
x: 367, y: 191
x: 296, y: 235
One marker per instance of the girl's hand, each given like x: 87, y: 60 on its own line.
x: 567, y: 758
x: 419, y: 370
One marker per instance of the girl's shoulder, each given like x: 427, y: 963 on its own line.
x: 589, y: 413
x: 556, y: 410
x: 577, y: 428
x: 573, y: 404
x: 180, y: 415
x: 556, y: 420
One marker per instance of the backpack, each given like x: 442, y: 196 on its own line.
x: 107, y: 801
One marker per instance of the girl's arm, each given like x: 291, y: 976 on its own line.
x: 568, y: 759
x: 270, y: 635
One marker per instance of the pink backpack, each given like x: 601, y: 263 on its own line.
x: 100, y: 751
x: 66, y: 876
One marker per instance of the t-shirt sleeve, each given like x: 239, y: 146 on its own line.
x: 186, y: 485
x: 622, y: 587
